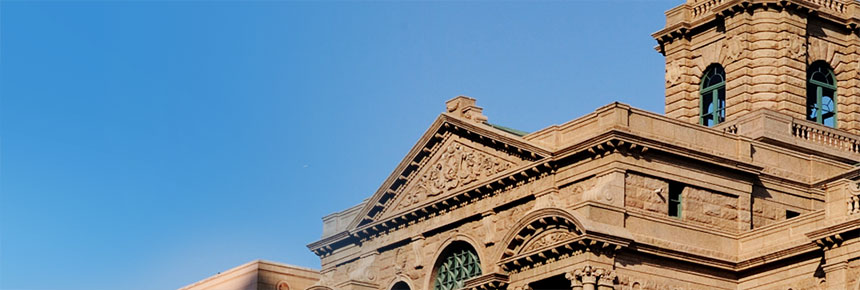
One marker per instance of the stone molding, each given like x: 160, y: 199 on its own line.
x: 686, y: 17
x: 491, y: 281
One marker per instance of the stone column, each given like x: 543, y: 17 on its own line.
x: 589, y: 278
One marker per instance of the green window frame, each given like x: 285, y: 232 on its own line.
x: 712, y: 96
x: 456, y: 267
x: 821, y: 94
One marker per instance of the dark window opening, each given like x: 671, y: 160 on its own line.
x: 791, y: 214
x: 551, y: 283
x: 675, y: 190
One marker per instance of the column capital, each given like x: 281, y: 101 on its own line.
x: 593, y: 276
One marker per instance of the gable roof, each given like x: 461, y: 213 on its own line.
x: 411, y: 163
x: 461, y: 122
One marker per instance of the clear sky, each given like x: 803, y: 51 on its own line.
x: 148, y: 145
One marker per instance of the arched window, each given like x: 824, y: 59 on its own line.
x: 821, y: 94
x: 712, y: 96
x: 400, y: 286
x: 458, y: 263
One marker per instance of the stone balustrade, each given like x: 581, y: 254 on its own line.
x: 824, y: 136
x: 775, y: 128
x: 700, y: 8
x: 854, y: 204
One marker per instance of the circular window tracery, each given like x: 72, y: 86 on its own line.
x: 458, y: 263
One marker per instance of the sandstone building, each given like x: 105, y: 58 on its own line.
x: 749, y: 181
x: 259, y: 275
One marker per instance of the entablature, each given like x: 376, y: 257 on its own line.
x: 691, y: 17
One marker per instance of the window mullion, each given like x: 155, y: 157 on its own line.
x: 819, y: 104
x: 715, y: 105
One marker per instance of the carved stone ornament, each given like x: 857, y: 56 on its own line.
x: 458, y: 166
x: 363, y: 270
x: 548, y: 239
x: 591, y: 276
x: 854, y: 187
x: 326, y: 279
x: 796, y: 46
x: 401, y: 261
x: 853, y: 197
x: 673, y: 72
x: 733, y: 48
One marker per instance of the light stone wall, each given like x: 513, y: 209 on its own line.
x: 765, y: 51
x: 699, y: 206
x: 599, y: 183
x: 259, y: 275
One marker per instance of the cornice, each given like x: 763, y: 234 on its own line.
x: 833, y: 234
x: 688, y: 18
x: 775, y: 256
x: 490, y: 281
x: 610, y: 142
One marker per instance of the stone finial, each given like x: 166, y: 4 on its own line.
x: 465, y: 107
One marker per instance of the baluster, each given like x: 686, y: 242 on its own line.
x: 856, y: 201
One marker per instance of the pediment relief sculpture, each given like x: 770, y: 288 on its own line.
x: 548, y: 238
x: 541, y: 233
x: 457, y: 166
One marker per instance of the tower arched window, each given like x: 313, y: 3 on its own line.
x: 458, y: 263
x: 712, y: 96
x: 821, y: 94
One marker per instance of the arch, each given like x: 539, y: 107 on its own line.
x: 712, y: 96
x: 399, y: 282
x: 319, y: 287
x: 821, y: 100
x: 534, y: 225
x: 400, y: 286
x: 457, y: 241
x: 282, y: 285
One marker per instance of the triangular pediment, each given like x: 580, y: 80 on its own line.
x: 454, y: 164
x: 452, y: 155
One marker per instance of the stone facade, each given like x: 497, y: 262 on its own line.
x: 627, y: 199
x: 259, y: 275
x: 765, y: 48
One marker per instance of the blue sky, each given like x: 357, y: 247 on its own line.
x: 147, y: 145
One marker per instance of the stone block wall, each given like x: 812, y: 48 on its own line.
x: 698, y: 206
x: 641, y: 193
x: 765, y: 51
x: 769, y: 206
x: 710, y: 208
